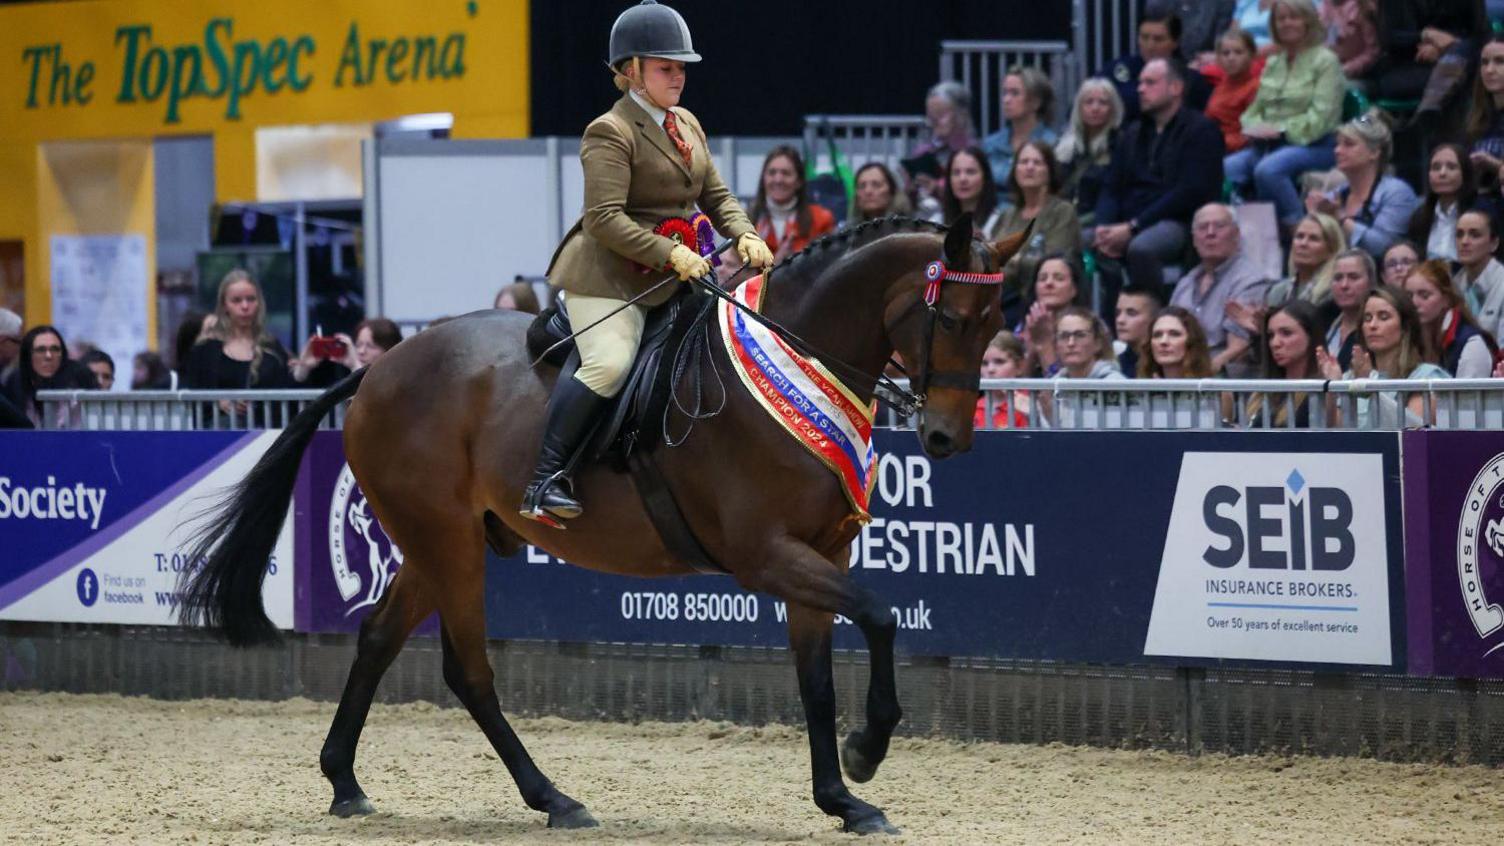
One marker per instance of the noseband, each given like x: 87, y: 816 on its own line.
x: 935, y: 275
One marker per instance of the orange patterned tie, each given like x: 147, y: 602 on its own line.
x: 671, y: 126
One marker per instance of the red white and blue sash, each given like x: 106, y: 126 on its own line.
x: 806, y: 399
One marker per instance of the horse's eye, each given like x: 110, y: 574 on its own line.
x: 948, y: 321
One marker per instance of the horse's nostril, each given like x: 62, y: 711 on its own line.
x: 940, y: 443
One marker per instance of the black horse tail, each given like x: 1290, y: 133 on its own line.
x: 233, y: 546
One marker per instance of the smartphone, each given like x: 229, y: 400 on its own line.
x: 322, y: 347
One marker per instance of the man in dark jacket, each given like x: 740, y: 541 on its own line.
x: 1167, y: 164
x: 1158, y: 38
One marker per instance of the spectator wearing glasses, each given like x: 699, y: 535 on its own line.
x: 1085, y: 150
x: 10, y: 340
x: 1453, y: 338
x: 44, y: 365
x: 1084, y: 345
x: 1451, y: 186
x: 1028, y: 102
x: 1374, y: 209
x: 1224, y: 277
x: 1480, y: 279
x: 1167, y: 164
x: 1290, y: 123
x: 1354, y: 277
x: 1397, y: 261
x: 1175, y: 348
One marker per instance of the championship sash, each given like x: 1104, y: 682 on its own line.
x: 806, y: 399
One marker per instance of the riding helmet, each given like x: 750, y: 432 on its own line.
x: 651, y: 30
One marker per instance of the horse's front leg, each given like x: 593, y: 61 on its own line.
x: 815, y: 589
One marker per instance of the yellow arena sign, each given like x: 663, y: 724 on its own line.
x: 149, y: 68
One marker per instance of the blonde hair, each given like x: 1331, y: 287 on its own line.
x: 1371, y: 129
x: 1073, y: 142
x: 220, y: 331
x: 1319, y: 289
x: 1038, y: 87
x: 1315, y: 29
x: 622, y: 80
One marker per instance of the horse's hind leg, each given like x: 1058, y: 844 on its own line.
x: 381, y: 637
x: 468, y: 673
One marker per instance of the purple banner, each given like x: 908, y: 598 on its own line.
x: 1454, y: 553
x: 345, y: 560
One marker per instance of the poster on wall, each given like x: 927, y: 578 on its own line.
x: 100, y: 293
x: 92, y: 523
x: 1054, y: 546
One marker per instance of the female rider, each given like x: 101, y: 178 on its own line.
x: 647, y: 166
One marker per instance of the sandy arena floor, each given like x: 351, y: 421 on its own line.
x: 105, y: 769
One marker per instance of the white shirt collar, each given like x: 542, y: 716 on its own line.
x: 653, y: 111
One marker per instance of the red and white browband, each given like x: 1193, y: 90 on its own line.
x: 936, y: 272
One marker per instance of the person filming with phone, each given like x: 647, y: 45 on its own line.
x: 326, y: 359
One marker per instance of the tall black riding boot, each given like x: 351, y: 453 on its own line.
x: 572, y: 410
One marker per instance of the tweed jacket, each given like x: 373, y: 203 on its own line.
x: 634, y: 179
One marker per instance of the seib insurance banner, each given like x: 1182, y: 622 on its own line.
x: 89, y: 522
x: 1179, y: 548
x: 1454, y: 514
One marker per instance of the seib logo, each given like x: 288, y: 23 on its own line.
x: 1295, y: 527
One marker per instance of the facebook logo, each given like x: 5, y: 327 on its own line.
x: 88, y: 587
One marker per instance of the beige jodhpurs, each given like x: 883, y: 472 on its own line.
x: 607, y: 350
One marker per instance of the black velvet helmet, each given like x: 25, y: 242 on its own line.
x: 651, y: 30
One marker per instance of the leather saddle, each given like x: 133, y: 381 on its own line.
x: 634, y: 425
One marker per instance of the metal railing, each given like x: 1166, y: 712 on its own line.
x: 167, y: 411
x: 1069, y: 404
x: 1102, y: 30
x: 981, y: 65
x: 861, y: 138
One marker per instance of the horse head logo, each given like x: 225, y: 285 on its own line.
x: 1493, y: 532
x: 358, y: 543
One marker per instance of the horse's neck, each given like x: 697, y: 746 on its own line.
x: 840, y: 311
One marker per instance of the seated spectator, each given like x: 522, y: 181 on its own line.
x: 876, y: 196
x: 1085, y: 150
x: 1290, y: 123
x: 1453, y: 338
x: 1291, y: 350
x: 1158, y: 38
x: 1003, y: 359
x: 1374, y: 209
x: 1353, y: 34
x: 150, y: 373
x: 102, y: 366
x: 518, y: 296
x: 10, y: 340
x: 1393, y: 348
x: 1201, y: 21
x: 1485, y: 122
x: 1136, y: 310
x: 782, y: 212
x: 1397, y: 262
x: 947, y: 111
x: 1224, y: 276
x: 969, y: 187
x: 1353, y: 278
x: 373, y: 337
x: 1428, y: 44
x: 1480, y: 279
x: 1056, y: 286
x: 1237, y: 85
x: 1167, y: 164
x: 1028, y: 102
x: 1252, y: 16
x: 1314, y: 246
x: 1176, y: 348
x: 1034, y: 192
x: 44, y: 365
x: 1451, y: 186
x: 237, y: 352
x: 1084, y: 346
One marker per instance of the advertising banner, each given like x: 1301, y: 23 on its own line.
x: 1052, y: 546
x: 91, y: 523
x: 1454, y: 552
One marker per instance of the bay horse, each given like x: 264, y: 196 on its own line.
x: 443, y: 433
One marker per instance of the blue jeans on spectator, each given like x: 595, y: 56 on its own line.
x: 1273, y: 169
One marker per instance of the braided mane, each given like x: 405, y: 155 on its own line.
x: 838, y: 243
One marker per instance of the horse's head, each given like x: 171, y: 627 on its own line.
x: 942, y: 343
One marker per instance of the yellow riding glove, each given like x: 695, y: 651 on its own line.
x: 688, y: 263
x: 754, y: 250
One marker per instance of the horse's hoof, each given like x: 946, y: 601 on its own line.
x: 357, y: 807
x: 856, y: 765
x: 577, y: 817
x: 873, y: 824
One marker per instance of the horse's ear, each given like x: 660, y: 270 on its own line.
x: 1007, y: 247
x: 958, y: 241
